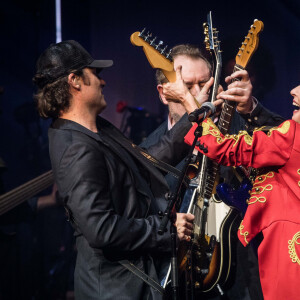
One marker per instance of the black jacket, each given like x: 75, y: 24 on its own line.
x: 113, y: 194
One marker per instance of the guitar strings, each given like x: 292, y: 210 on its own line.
x: 21, y: 196
x: 24, y: 192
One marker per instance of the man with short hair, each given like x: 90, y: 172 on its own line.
x: 111, y: 189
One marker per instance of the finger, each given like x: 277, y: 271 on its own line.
x: 235, y: 98
x: 205, y: 89
x: 240, y: 84
x: 182, y: 225
x: 228, y: 79
x: 184, y: 237
x: 178, y: 73
x: 235, y: 91
x: 188, y: 238
x: 187, y: 231
x: 190, y: 217
x: 220, y: 89
x: 218, y: 103
x: 243, y: 75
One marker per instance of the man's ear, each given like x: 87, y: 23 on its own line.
x: 74, y: 81
x: 161, y: 94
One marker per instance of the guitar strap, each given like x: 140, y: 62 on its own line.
x: 139, y: 273
x: 142, y: 154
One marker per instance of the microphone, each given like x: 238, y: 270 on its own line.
x: 201, y: 113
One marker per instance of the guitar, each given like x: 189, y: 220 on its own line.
x: 24, y: 192
x: 210, y: 260
x: 232, y: 219
x: 237, y: 198
x: 202, y: 262
x: 157, y: 56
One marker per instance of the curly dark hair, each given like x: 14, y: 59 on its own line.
x: 54, y: 97
x: 188, y: 50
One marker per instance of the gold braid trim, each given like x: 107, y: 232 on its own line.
x: 209, y: 128
x: 298, y: 172
x: 261, y: 178
x: 283, y: 129
x: 254, y: 199
x: 292, y: 248
x: 245, y: 234
x: 259, y: 189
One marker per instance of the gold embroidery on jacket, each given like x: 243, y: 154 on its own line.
x: 292, y: 249
x: 245, y: 234
x: 283, y: 129
x: 259, y: 189
x: 254, y: 199
x: 261, y: 178
x: 209, y: 128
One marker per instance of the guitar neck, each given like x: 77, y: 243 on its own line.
x: 227, y: 110
x: 217, y: 76
x: 24, y: 192
x: 224, y: 125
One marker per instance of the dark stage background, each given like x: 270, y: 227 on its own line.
x: 45, y: 255
x: 104, y: 28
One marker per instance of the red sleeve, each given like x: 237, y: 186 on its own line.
x: 259, y: 150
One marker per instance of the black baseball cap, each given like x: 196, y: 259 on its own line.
x: 60, y: 59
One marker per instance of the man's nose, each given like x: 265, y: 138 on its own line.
x: 195, y: 90
x: 102, y: 82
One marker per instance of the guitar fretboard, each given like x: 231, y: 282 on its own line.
x: 24, y: 192
x: 228, y: 110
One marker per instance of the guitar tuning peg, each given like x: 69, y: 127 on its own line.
x: 152, y: 42
x: 169, y: 54
x: 164, y: 49
x: 147, y: 36
x: 142, y: 32
x: 158, y: 45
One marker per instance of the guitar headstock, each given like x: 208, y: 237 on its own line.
x: 156, y: 54
x: 250, y: 44
x: 211, y: 38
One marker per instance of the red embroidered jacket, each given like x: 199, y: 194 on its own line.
x: 274, y: 203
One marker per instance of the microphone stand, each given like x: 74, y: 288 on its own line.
x: 170, y: 214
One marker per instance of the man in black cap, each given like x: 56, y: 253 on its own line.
x: 111, y: 188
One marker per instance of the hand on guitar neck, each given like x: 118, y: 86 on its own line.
x: 239, y: 90
x: 184, y: 225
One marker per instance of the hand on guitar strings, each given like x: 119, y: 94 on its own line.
x: 184, y: 225
x: 239, y: 90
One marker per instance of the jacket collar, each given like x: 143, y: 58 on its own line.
x: 103, y: 125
